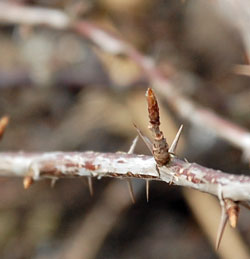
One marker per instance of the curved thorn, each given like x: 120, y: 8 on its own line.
x: 90, y: 184
x: 176, y: 140
x: 145, y: 139
x: 147, y: 190
x: 132, y: 147
x: 131, y: 191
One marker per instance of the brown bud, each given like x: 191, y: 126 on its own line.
x: 153, y: 109
x: 160, y: 145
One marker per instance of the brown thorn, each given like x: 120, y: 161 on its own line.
x: 233, y: 211
x: 176, y: 140
x: 27, y: 182
x: 145, y: 139
x: 223, y: 222
x: 131, y: 192
x: 90, y: 184
x: 132, y: 147
x: 3, y: 124
x: 147, y: 190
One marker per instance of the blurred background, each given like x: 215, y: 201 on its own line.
x: 63, y: 93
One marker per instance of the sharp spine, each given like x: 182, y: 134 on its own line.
x: 90, y: 184
x: 147, y: 190
x: 131, y: 192
x: 173, y: 147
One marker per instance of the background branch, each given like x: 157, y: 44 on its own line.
x: 184, y: 107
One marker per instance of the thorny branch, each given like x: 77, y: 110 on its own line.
x: 227, y: 130
x: 122, y: 165
x: 231, y: 190
x: 234, y: 134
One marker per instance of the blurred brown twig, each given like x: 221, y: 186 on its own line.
x: 184, y: 107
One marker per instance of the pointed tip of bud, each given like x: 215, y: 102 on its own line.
x: 149, y: 92
x: 151, y: 99
x: 27, y: 182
